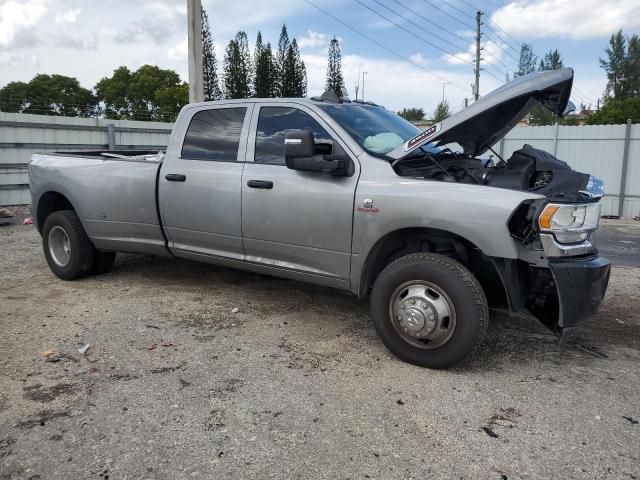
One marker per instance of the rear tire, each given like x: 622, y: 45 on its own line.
x: 69, y: 252
x: 103, y: 262
x: 429, y: 310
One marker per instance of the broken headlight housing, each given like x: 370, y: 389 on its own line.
x: 570, y: 223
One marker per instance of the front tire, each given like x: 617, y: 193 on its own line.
x: 429, y: 310
x: 69, y: 252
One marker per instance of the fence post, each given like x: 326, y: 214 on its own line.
x: 111, y: 136
x: 625, y: 164
x: 555, y: 140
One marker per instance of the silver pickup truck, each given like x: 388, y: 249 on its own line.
x: 350, y: 195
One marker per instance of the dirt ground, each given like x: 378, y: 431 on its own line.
x: 295, y: 384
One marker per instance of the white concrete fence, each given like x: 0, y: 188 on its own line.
x: 610, y: 152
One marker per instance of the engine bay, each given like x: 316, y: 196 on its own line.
x: 528, y: 169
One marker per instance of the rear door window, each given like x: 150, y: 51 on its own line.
x: 214, y: 135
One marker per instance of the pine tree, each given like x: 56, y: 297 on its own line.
x: 237, y: 68
x: 632, y: 64
x: 294, y: 74
x: 615, y: 65
x: 263, y: 85
x: 283, y: 47
x: 335, y: 80
x: 209, y: 62
x: 442, y: 111
x: 527, y: 62
x: 552, y: 61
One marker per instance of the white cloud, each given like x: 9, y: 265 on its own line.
x: 418, y: 58
x: 17, y: 16
x: 70, y: 16
x: 314, y: 39
x: 567, y: 18
x: 179, y: 52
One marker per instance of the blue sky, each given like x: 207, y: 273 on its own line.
x: 88, y: 39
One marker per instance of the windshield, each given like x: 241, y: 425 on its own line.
x: 377, y: 130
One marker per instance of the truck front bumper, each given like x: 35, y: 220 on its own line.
x: 581, y: 284
x: 563, y: 294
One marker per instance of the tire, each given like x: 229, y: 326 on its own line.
x: 442, y: 310
x: 71, y: 258
x: 102, y: 262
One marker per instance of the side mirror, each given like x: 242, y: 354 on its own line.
x: 298, y: 143
x: 301, y: 153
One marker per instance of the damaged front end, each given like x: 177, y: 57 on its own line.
x: 558, y: 277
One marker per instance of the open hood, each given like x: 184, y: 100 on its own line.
x: 486, y: 121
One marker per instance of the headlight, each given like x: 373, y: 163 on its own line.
x: 570, y: 223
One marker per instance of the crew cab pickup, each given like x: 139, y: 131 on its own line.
x: 349, y: 195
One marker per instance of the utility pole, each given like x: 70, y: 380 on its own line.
x: 358, y: 83
x: 196, y: 80
x: 476, y: 87
x: 363, y: 74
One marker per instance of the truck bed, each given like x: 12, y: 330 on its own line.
x: 114, y: 194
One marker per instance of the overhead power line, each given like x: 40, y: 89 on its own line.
x: 448, y: 14
x: 466, y: 40
x: 384, y: 47
x: 412, y: 33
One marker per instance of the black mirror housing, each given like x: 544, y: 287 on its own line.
x: 301, y: 153
x: 298, y: 143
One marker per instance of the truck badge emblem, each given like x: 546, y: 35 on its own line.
x: 367, y: 206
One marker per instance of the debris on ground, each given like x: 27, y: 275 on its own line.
x: 48, y: 353
x: 167, y: 344
x: 235, y: 310
x: 490, y: 432
x: 83, y: 350
x: 153, y: 326
x: 27, y: 221
x: 631, y: 419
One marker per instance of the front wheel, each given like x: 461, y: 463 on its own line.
x: 429, y: 310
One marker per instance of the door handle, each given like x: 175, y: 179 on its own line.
x: 175, y: 177
x: 266, y: 184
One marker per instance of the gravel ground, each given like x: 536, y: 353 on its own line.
x: 295, y: 384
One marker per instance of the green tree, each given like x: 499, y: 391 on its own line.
x: 552, y: 61
x: 412, y: 114
x: 442, y: 111
x: 49, y: 95
x: 209, y: 62
x: 632, y: 64
x: 335, y: 79
x: 615, y: 65
x: 294, y: 73
x: 281, y: 55
x: 149, y: 93
x: 617, y: 111
x: 237, y: 68
x: 264, y: 84
x: 527, y: 62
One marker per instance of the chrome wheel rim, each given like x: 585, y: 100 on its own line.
x: 422, y: 314
x: 59, y: 246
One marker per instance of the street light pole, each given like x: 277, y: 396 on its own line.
x: 443, y: 85
x: 196, y: 81
x: 363, y: 74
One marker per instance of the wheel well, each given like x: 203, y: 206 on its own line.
x: 51, y: 202
x: 413, y: 240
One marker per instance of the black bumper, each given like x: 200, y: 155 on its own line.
x: 581, y: 284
